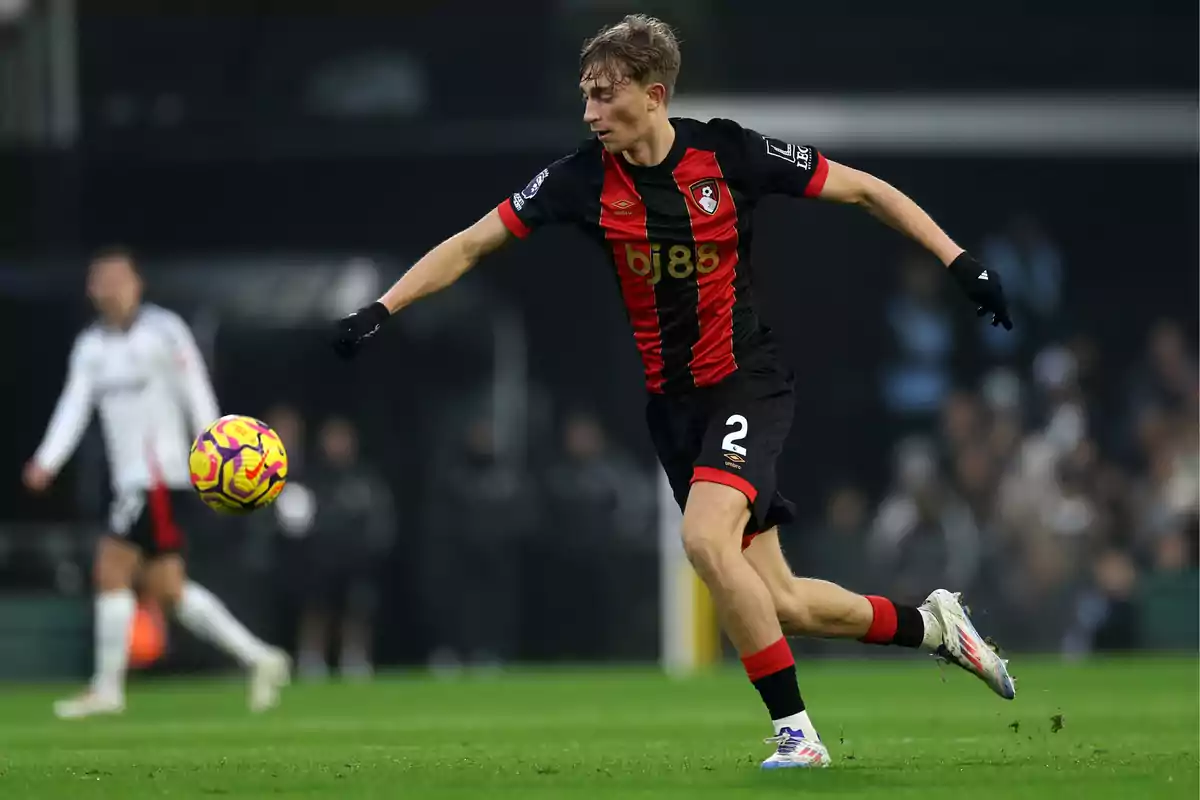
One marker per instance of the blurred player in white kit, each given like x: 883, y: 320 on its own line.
x: 139, y: 365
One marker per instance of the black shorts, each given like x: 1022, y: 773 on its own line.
x: 731, y: 433
x: 153, y: 520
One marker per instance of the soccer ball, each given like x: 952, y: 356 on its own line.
x: 238, y: 464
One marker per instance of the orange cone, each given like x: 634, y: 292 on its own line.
x: 147, y: 636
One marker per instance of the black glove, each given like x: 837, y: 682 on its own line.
x: 982, y: 287
x: 352, y: 330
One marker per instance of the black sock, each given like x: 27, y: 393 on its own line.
x: 780, y: 693
x: 894, y: 624
x: 910, y: 627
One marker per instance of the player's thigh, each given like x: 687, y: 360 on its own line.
x: 766, y: 556
x: 164, y: 577
x: 745, y: 436
x: 114, y: 564
x: 713, y: 519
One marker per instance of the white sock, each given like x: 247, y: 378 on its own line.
x: 204, y: 615
x: 113, y: 619
x: 933, y: 630
x: 800, y: 724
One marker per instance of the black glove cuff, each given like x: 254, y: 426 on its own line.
x: 965, y: 268
x: 376, y: 313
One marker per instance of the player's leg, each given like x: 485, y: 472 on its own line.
x: 817, y: 608
x: 716, y: 513
x: 115, y: 564
x: 202, y: 613
x: 198, y: 609
x: 714, y: 519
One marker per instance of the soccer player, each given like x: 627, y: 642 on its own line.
x: 671, y: 200
x: 139, y: 365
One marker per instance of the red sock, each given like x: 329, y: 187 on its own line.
x: 772, y: 670
x: 772, y: 658
x: 894, y: 624
x: 883, y: 626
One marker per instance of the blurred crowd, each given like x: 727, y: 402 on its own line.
x: 1059, y: 489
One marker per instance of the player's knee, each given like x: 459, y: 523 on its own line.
x: 113, y: 567
x: 165, y: 580
x: 170, y: 594
x: 108, y: 577
x: 705, y: 549
x: 713, y: 522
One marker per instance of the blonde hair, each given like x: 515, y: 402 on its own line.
x: 639, y: 47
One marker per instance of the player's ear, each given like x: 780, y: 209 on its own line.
x: 656, y: 96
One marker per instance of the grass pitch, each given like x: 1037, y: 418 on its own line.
x: 1113, y: 729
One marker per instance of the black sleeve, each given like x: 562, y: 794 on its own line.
x: 554, y: 196
x: 772, y: 166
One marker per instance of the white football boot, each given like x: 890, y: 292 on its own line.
x: 89, y: 704
x: 793, y: 750
x: 962, y: 644
x: 267, y: 677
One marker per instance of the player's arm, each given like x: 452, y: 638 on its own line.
x: 67, y: 424
x: 447, y: 262
x: 434, y: 271
x: 549, y: 198
x: 193, y: 381
x: 772, y: 166
x: 888, y: 205
x: 892, y: 207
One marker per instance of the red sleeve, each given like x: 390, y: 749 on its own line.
x: 817, y: 182
x: 508, y: 216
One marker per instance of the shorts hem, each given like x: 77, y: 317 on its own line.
x: 714, y: 475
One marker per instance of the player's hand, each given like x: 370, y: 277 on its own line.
x: 982, y: 287
x: 36, y: 478
x: 352, y: 330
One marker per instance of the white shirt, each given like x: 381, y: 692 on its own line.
x: 153, y: 391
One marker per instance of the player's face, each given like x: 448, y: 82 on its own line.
x: 115, y: 288
x: 618, y: 112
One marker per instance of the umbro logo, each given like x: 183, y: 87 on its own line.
x: 622, y: 207
x: 983, y: 275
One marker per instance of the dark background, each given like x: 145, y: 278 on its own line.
x: 219, y: 142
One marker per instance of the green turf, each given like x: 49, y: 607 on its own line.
x: 1123, y: 729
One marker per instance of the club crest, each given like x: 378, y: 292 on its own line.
x: 707, y: 195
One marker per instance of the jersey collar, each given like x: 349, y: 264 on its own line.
x: 668, y: 164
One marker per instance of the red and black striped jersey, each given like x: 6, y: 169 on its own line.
x: 678, y: 234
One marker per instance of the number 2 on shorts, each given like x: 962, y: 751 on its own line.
x: 729, y: 443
